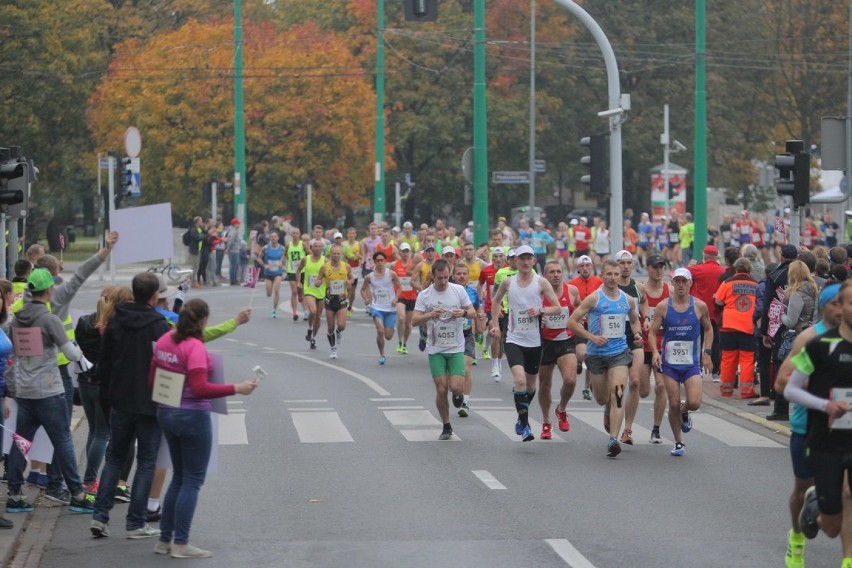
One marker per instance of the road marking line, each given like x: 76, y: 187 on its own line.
x: 411, y: 418
x: 250, y: 344
x: 366, y: 380
x: 320, y: 427
x: 568, y: 553
x: 594, y: 418
x: 231, y: 339
x: 301, y: 400
x: 489, y: 480
x: 504, y: 421
x: 232, y: 429
x: 391, y: 399
x: 487, y: 399
x: 731, y: 434
x: 269, y: 349
x: 309, y: 409
x: 430, y: 435
x: 400, y: 408
x: 237, y: 411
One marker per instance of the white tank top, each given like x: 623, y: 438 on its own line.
x: 523, y: 328
x: 382, y: 290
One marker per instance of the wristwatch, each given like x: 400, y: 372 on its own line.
x: 708, y: 351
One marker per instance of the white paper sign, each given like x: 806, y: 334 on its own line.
x: 845, y: 421
x: 145, y: 234
x: 41, y: 450
x: 168, y: 387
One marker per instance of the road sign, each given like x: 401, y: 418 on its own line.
x: 132, y: 142
x: 539, y: 166
x: 103, y: 163
x: 467, y: 165
x: 510, y: 177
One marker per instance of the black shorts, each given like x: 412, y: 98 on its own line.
x: 829, y: 470
x: 335, y: 303
x: 648, y: 357
x: 503, y: 322
x: 291, y: 277
x: 409, y: 304
x: 270, y: 275
x: 551, y: 351
x: 579, y: 253
x: 528, y: 357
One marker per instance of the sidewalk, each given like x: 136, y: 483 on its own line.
x: 756, y: 414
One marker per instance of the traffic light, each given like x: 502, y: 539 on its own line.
x: 125, y: 176
x: 12, y: 173
x: 299, y: 194
x: 794, y: 173
x: 595, y: 162
x: 421, y: 10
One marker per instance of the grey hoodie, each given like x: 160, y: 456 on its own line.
x: 38, y: 376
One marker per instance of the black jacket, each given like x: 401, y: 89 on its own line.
x: 88, y: 338
x: 126, y: 351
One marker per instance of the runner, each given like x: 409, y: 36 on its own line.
x: 608, y: 357
x: 656, y: 291
x: 474, y: 268
x: 486, y: 282
x: 294, y: 252
x: 558, y: 346
x: 314, y: 289
x: 352, y: 254
x: 461, y: 276
x: 407, y: 297
x: 681, y: 318
x: 586, y: 283
x: 510, y: 269
x: 525, y: 291
x: 379, y: 294
x: 272, y: 256
x: 336, y: 278
x: 421, y: 277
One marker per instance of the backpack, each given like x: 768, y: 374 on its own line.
x: 187, y: 237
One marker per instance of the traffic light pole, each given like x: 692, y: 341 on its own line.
x: 614, y: 113
x: 700, y: 141
x: 379, y: 173
x: 480, y: 131
x: 111, y: 208
x: 240, y: 185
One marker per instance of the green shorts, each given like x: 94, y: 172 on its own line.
x: 443, y: 364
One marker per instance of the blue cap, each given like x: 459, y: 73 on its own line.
x: 828, y: 294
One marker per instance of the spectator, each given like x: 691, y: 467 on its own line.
x: 764, y: 354
x: 705, y: 281
x: 801, y: 303
x: 233, y: 244
x: 735, y: 297
x: 196, y: 236
x: 758, y: 269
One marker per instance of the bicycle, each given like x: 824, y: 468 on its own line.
x: 171, y: 271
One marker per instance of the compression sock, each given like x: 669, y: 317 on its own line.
x: 331, y: 339
x: 530, y: 397
x: 522, y: 406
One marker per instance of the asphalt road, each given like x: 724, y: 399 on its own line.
x: 336, y: 463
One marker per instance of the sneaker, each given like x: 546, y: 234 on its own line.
x: 613, y: 448
x: 399, y: 348
x: 274, y: 314
x: 580, y: 369
x: 421, y: 344
x: 189, y: 551
x: 717, y: 378
x: 32, y: 478
x: 678, y: 449
x: 473, y: 362
x: 795, y: 557
x: 464, y: 410
x: 145, y: 531
x: 162, y: 547
x: 295, y: 317
x: 18, y: 504
x: 309, y: 336
x: 122, y: 494
x: 99, y: 529
x: 808, y: 514
x: 63, y: 497
x: 154, y: 516
x: 495, y: 370
x: 519, y: 428
x: 333, y: 353
x: 446, y: 434
x: 85, y: 504
x: 526, y: 434
x: 458, y: 400
x: 486, y: 354
x: 627, y: 437
x: 655, y: 437
x: 91, y: 487
x: 404, y: 350
x: 313, y: 344
x: 562, y: 420
x: 546, y: 431
x: 686, y: 420
x: 587, y: 394
x: 382, y: 360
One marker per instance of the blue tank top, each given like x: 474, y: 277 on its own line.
x: 681, y: 337
x: 609, y: 319
x: 645, y: 232
x: 799, y: 414
x: 274, y: 258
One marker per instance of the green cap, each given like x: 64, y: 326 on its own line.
x: 40, y: 280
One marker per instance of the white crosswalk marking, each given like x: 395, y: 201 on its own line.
x: 730, y: 434
x: 594, y: 418
x: 504, y: 421
x: 416, y: 424
x: 232, y: 429
x: 320, y: 427
x: 568, y: 553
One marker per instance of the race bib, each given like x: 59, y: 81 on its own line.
x: 312, y: 281
x: 525, y: 323
x: 679, y: 353
x: 405, y: 283
x: 612, y: 326
x: 337, y: 287
x: 382, y: 296
x: 537, y: 244
x: 356, y: 273
x: 559, y: 321
x: 274, y: 264
x: 580, y: 237
x: 446, y: 335
x: 845, y: 421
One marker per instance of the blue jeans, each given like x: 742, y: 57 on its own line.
x: 98, y: 438
x: 190, y: 436
x: 51, y: 413
x: 54, y: 475
x: 125, y: 427
x: 234, y: 267
x: 220, y: 256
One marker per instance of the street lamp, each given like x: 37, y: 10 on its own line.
x: 665, y: 139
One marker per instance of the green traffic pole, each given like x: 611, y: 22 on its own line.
x: 480, y: 133
x: 239, y: 121
x: 379, y: 174
x: 700, y: 144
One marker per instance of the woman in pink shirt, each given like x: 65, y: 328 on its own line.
x: 187, y: 428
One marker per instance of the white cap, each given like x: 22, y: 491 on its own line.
x: 623, y: 255
x: 584, y: 259
x: 338, y: 235
x: 682, y: 273
x: 498, y: 250
x: 583, y: 220
x: 407, y: 225
x: 404, y: 246
x: 539, y: 224
x: 396, y: 229
x: 575, y: 222
x: 470, y: 223
x: 512, y: 253
x: 448, y: 250
x: 524, y: 249
x: 787, y: 210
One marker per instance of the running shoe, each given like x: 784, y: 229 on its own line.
x: 546, y: 431
x: 99, y: 529
x: 678, y: 449
x: 464, y: 410
x: 655, y: 436
x: 686, y: 420
x: 795, y: 557
x: 85, y: 504
x: 399, y: 348
x: 91, y: 487
x: 495, y: 369
x: 154, y: 516
x: 587, y: 394
x: 446, y: 434
x: 807, y: 516
x: 627, y: 437
x: 480, y: 345
x: 274, y: 314
x: 382, y: 360
x: 62, y: 496
x: 579, y: 368
x: 18, y: 504
x: 295, y: 317
x: 333, y: 353
x: 526, y: 434
x: 613, y: 448
x: 486, y: 354
x: 458, y: 400
x: 313, y: 344
x: 308, y: 335
x: 145, y: 531
x: 422, y: 343
x: 473, y: 361
x: 404, y: 350
x: 122, y: 494
x: 519, y: 428
x: 562, y: 420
